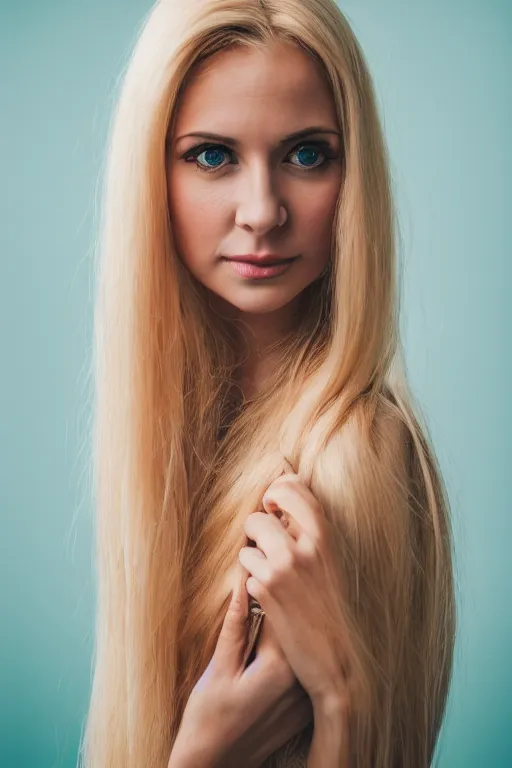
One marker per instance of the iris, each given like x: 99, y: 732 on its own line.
x: 214, y: 157
x: 307, y: 155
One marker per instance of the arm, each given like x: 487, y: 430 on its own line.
x: 330, y: 745
x: 190, y: 756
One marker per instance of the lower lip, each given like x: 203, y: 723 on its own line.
x: 243, y: 269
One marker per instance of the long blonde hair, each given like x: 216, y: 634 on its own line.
x: 171, y: 498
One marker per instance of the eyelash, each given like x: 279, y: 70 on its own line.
x: 323, y: 146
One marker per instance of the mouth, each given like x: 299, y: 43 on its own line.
x: 269, y: 260
x: 251, y: 268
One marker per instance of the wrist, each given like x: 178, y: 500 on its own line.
x: 330, y: 744
x: 331, y: 703
x: 180, y: 759
x: 191, y: 753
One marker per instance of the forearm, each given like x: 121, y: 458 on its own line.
x: 330, y: 744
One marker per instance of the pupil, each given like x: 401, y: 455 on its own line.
x: 307, y: 155
x: 214, y: 156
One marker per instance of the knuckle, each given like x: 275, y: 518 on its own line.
x: 288, y: 561
x: 248, y: 523
x: 256, y: 588
x: 278, y: 574
x: 271, y: 579
x: 308, y: 549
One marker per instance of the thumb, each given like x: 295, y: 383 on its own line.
x: 232, y: 639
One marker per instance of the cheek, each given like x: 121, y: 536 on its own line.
x: 317, y: 215
x: 315, y: 232
x: 195, y: 215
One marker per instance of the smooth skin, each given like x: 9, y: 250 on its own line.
x: 235, y: 715
x: 225, y: 199
x: 295, y: 579
x: 225, y: 196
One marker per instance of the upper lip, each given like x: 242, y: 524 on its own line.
x: 260, y: 258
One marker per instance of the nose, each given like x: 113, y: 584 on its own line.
x: 259, y: 208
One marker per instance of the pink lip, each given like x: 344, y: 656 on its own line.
x: 249, y: 270
x: 260, y: 258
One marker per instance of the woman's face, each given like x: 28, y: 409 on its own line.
x: 242, y: 181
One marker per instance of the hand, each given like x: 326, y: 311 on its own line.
x: 296, y: 581
x: 239, y: 716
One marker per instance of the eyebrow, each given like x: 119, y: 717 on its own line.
x: 235, y: 142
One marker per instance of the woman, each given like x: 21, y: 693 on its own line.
x: 250, y: 392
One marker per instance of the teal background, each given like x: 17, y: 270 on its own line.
x: 442, y: 73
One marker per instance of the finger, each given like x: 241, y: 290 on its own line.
x: 229, y: 651
x: 255, y: 562
x: 268, y: 533
x: 289, y: 494
x: 285, y: 521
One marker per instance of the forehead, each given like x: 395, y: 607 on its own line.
x: 273, y: 89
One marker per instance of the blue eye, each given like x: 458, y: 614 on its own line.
x: 213, y: 157
x: 308, y: 156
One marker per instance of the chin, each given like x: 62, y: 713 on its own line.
x: 259, y: 305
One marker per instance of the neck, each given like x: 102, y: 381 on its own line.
x: 258, y: 333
